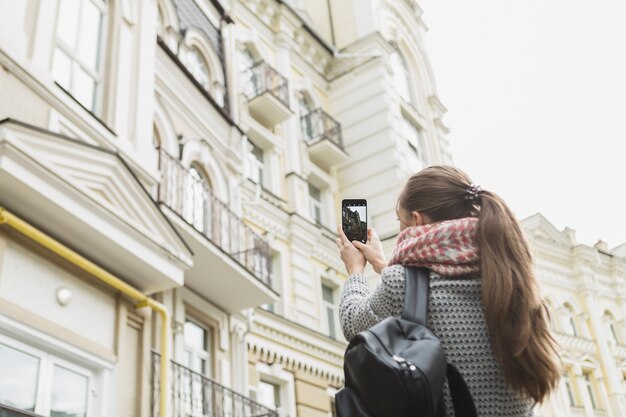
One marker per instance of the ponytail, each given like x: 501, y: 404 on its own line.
x: 517, y: 319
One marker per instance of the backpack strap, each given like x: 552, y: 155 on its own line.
x: 416, y: 309
x: 460, y: 393
x: 416, y: 295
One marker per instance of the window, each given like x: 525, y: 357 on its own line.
x: 330, y: 310
x: 591, y: 392
x: 609, y: 327
x: 268, y: 394
x: 315, y: 199
x: 413, y: 136
x: 198, y: 67
x: 198, y: 342
x: 251, y: 84
x: 197, y: 199
x: 35, y: 381
x: 79, y: 50
x: 402, y: 76
x: 256, y: 164
x: 570, y: 391
x: 570, y: 321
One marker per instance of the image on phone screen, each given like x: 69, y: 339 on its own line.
x: 354, y: 219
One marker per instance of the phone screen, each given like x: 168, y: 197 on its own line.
x: 354, y: 219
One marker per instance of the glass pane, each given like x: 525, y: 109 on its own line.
x: 69, y: 393
x: 195, y: 336
x: 268, y: 394
x: 198, y: 67
x: 89, y: 48
x: 84, y: 88
x: 67, y: 25
x: 330, y: 316
x: 315, y: 193
x: 62, y: 68
x: 327, y: 294
x: 18, y: 378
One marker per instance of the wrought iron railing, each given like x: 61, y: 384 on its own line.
x: 7, y: 411
x: 262, y: 78
x: 318, y: 125
x: 190, y: 198
x: 194, y: 395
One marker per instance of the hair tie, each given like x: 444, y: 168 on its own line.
x: 472, y: 192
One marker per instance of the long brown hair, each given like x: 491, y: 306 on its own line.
x: 517, y: 318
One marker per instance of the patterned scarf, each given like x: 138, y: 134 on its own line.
x: 448, y: 248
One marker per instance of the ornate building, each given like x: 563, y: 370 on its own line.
x: 584, y: 288
x: 171, y: 174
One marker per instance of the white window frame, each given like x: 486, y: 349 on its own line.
x: 316, y: 205
x: 207, y: 355
x: 413, y: 133
x: 591, y: 390
x: 47, y: 361
x: 256, y: 168
x: 71, y: 52
x: 326, y: 305
x: 275, y: 374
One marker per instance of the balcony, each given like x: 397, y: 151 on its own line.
x: 6, y: 411
x: 268, y: 94
x: 322, y: 134
x: 232, y: 263
x: 195, y: 395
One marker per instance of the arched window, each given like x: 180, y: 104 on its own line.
x: 251, y: 80
x: 570, y: 320
x: 156, y: 138
x: 311, y: 125
x: 197, y: 66
x: 79, y: 50
x: 609, y: 327
x: 198, y: 199
x: 402, y: 76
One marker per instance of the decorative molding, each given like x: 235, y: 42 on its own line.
x: 274, y: 340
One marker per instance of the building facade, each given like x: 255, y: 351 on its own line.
x: 584, y: 289
x: 171, y: 174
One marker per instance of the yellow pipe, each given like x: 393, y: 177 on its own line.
x: 63, y: 251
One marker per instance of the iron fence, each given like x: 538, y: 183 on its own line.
x: 194, y: 395
x: 318, y: 125
x: 262, y: 78
x: 191, y: 198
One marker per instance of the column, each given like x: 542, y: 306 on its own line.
x: 239, y: 355
x: 609, y: 367
x: 144, y: 75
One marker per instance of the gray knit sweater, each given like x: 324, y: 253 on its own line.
x: 456, y: 316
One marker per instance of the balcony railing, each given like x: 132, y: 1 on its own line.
x: 318, y: 125
x: 262, y: 78
x: 190, y: 198
x: 6, y: 411
x: 195, y: 395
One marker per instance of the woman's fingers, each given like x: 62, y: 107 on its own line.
x: 342, y: 236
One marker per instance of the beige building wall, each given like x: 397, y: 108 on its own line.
x: 583, y: 286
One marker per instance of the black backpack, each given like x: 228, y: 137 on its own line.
x: 397, y: 367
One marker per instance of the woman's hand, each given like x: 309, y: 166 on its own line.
x: 352, y: 258
x: 373, y: 250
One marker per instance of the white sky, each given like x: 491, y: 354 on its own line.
x: 536, y: 98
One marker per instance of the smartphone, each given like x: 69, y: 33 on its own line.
x: 354, y: 219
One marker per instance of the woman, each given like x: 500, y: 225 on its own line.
x: 484, y: 302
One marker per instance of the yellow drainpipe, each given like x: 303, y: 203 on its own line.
x: 63, y: 251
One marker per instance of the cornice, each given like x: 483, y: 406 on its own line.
x: 274, y: 339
